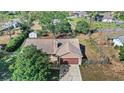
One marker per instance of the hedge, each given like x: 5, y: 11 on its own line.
x: 15, y: 42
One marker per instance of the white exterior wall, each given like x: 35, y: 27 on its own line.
x: 32, y: 35
x: 107, y: 20
x: 117, y: 42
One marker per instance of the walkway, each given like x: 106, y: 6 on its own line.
x: 73, y: 74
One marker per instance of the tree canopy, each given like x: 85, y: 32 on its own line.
x: 121, y: 16
x: 63, y: 27
x: 82, y: 27
x: 31, y: 64
x: 47, y: 17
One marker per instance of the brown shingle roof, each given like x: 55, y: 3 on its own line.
x: 68, y: 48
x: 45, y: 44
x: 50, y: 46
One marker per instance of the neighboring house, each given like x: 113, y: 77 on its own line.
x: 118, y: 41
x: 108, y: 17
x: 10, y: 25
x: 33, y: 35
x: 67, y: 50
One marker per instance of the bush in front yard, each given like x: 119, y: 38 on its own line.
x: 15, y: 42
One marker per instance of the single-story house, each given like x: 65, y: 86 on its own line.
x: 108, y: 17
x: 33, y: 35
x: 10, y: 25
x: 64, y: 50
x: 119, y: 41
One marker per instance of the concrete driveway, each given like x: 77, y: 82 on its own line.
x: 73, y: 74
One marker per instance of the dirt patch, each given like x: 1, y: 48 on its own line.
x: 36, y: 26
x: 95, y: 51
x: 5, y: 38
x: 100, y: 72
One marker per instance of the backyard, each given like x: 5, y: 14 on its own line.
x: 95, y: 71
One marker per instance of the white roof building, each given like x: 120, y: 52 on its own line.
x: 108, y: 18
x: 117, y: 42
x: 33, y: 35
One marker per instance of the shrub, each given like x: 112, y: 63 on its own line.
x: 15, y: 42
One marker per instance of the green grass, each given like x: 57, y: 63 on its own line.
x: 99, y: 25
x: 75, y: 20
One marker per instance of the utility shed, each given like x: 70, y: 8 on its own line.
x: 33, y: 35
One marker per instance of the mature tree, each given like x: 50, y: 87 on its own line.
x: 26, y: 19
x: 31, y: 64
x: 82, y: 27
x: 121, y: 15
x: 47, y: 18
x: 62, y: 27
x: 121, y: 53
x: 115, y: 14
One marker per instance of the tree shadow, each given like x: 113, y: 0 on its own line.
x: 64, y: 68
x: 4, y: 71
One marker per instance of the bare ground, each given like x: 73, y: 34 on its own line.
x: 100, y: 72
x: 4, y: 39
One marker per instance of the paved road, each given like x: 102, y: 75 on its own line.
x: 73, y: 74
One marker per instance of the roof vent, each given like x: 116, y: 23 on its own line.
x: 59, y: 44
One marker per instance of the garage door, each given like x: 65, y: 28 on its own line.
x: 69, y: 60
